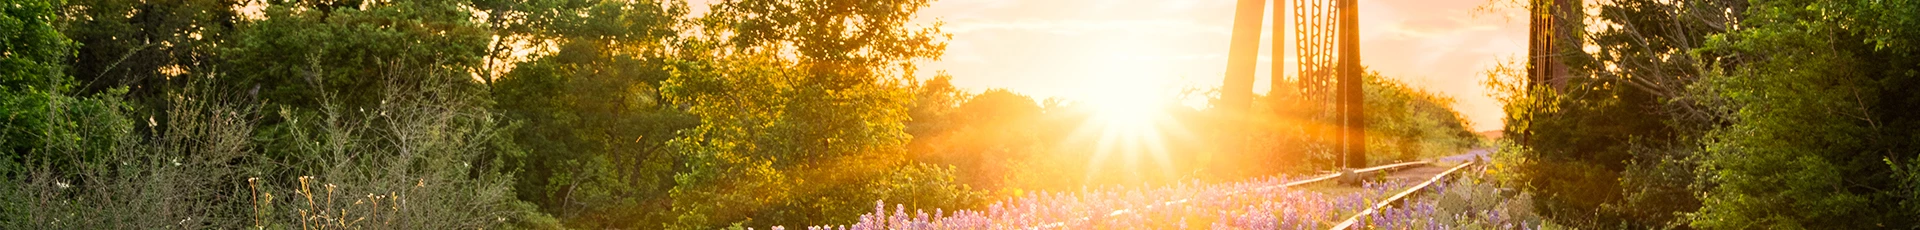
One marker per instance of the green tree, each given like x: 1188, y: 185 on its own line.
x: 934, y: 102
x: 364, y: 98
x: 1611, y: 143
x: 985, y: 136
x: 147, y: 47
x: 802, y: 106
x: 1819, y: 97
x: 32, y: 49
x: 41, y: 126
x: 310, y: 53
x: 30, y: 80
x: 520, y: 25
x: 593, y: 119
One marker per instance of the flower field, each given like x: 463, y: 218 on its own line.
x: 1254, y: 204
x: 1462, y: 203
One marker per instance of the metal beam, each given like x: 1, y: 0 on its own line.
x: 1351, y: 104
x: 1278, y: 86
x: 1236, y: 93
x: 1313, y: 50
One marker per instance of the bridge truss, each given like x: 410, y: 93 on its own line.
x: 1328, y: 56
x: 1314, y: 43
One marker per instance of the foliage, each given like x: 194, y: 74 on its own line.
x: 1818, y: 95
x: 147, y: 47
x: 1406, y: 123
x: 801, y: 106
x: 592, y: 119
x: 202, y: 170
x: 202, y: 157
x: 1723, y: 114
x: 1612, y: 142
x: 987, y: 134
x: 1573, y: 148
x: 926, y: 185
x: 428, y: 153
x: 30, y: 80
x: 32, y: 49
x: 306, y: 54
x: 1467, y: 201
x: 550, y: 113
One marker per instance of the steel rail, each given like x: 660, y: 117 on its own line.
x: 1317, y: 179
x: 1396, y: 198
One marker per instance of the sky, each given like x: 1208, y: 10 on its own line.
x: 1077, y: 49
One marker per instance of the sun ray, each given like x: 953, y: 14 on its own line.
x: 1127, y: 126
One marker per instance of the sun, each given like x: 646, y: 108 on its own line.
x: 1128, y: 128
x: 1128, y: 111
x: 1125, y: 103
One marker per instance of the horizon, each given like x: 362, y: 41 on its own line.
x: 1042, y: 49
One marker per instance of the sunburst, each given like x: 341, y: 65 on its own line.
x: 1129, y: 124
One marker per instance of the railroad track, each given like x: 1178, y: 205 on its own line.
x: 1316, y: 179
x: 1395, y: 200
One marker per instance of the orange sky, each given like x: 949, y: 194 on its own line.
x: 1084, y: 48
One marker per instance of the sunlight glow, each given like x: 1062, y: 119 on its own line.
x: 1129, y: 99
x: 1130, y: 122
x: 1128, y: 112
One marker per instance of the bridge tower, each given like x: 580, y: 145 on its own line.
x: 1326, y: 35
x: 1547, y: 34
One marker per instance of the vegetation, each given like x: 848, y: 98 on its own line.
x: 449, y: 114
x: 1465, y: 201
x: 1722, y: 115
x: 1404, y: 123
x: 1820, y: 125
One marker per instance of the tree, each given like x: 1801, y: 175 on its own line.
x: 593, y: 119
x: 1613, y: 145
x: 30, y: 81
x: 1821, y: 134
x: 801, y: 107
x: 41, y: 125
x: 147, y: 47
x: 985, y: 136
x: 934, y: 102
x: 309, y: 54
x: 30, y: 53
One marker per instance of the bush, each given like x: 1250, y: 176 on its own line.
x: 424, y: 159
x: 415, y: 163
x: 1403, y: 123
x: 1821, y: 125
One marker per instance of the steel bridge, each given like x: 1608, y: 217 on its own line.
x: 1327, y: 56
x: 1327, y: 53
